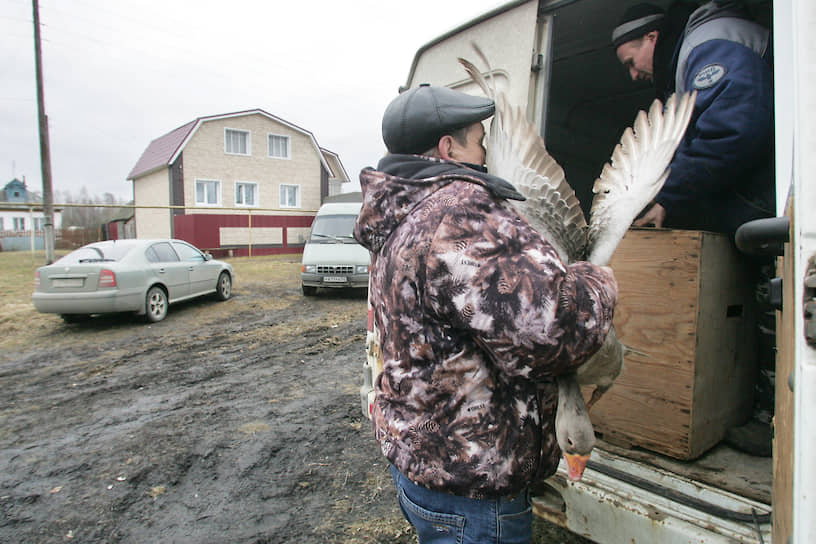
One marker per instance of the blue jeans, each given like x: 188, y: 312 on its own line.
x: 440, y: 518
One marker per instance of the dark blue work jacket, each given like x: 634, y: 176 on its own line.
x: 722, y: 173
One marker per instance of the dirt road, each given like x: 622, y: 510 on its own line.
x: 228, y: 422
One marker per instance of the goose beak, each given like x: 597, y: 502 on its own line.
x: 576, y: 465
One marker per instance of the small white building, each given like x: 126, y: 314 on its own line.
x: 22, y: 218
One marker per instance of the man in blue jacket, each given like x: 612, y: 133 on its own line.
x: 722, y: 173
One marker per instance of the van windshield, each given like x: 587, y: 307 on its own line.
x: 332, y: 228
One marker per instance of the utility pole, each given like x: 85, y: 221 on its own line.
x: 45, y: 153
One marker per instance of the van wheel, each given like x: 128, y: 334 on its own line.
x: 309, y: 291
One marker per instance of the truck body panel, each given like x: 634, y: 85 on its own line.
x: 796, y: 22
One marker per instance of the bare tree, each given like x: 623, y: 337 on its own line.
x: 90, y: 214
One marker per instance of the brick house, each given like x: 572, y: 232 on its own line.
x: 244, y: 179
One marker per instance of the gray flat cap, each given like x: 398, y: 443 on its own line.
x: 415, y: 120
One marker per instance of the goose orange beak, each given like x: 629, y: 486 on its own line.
x: 576, y: 465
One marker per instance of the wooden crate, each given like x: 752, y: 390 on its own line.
x: 686, y: 300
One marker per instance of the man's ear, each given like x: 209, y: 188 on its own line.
x: 445, y: 147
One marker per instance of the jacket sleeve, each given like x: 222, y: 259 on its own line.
x: 731, y: 125
x: 494, y: 278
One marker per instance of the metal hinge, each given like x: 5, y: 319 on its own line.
x: 810, y: 302
x: 537, y: 63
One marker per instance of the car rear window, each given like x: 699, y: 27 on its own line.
x: 96, y: 253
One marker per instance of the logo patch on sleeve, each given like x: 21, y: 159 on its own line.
x: 709, y: 75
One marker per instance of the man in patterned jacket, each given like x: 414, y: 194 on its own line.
x: 476, y: 316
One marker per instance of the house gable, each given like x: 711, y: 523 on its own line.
x: 15, y: 191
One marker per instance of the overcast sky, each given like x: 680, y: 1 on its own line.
x: 120, y: 73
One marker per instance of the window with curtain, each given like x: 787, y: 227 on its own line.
x: 236, y: 142
x: 279, y: 146
x: 246, y: 193
x: 290, y: 196
x: 208, y: 192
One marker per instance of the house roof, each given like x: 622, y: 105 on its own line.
x: 334, y: 159
x: 356, y: 196
x: 25, y: 196
x: 14, y: 183
x: 164, y: 151
x: 161, y: 150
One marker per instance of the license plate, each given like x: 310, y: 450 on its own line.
x: 334, y: 279
x: 66, y: 282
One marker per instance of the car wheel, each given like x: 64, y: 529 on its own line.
x: 155, y: 304
x: 309, y: 291
x: 223, y: 289
x: 74, y: 318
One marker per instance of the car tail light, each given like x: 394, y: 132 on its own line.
x: 37, y: 279
x: 107, y: 278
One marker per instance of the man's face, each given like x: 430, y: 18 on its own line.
x: 473, y: 152
x: 638, y: 57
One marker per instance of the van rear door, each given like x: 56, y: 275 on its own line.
x: 515, y: 40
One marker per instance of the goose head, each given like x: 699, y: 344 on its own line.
x: 573, y: 428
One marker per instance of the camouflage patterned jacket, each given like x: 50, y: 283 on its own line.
x: 476, y: 316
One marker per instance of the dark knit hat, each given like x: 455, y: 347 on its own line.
x: 415, y: 120
x: 636, y: 22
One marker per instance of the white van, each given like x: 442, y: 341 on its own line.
x: 332, y: 257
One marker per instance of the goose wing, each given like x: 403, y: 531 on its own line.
x: 516, y: 153
x: 635, y: 173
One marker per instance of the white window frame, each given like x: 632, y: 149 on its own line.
x: 206, y: 204
x: 297, y: 199
x: 257, y: 194
x: 288, y: 139
x: 19, y: 224
x: 227, y: 130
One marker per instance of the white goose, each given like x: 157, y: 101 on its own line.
x: 633, y: 177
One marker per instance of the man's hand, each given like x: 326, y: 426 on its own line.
x: 655, y: 216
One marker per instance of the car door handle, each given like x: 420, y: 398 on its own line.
x: 161, y: 270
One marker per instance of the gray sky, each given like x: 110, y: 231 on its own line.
x: 119, y: 73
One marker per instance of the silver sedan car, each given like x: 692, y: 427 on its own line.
x: 141, y: 276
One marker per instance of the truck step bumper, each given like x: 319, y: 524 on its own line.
x: 619, y: 500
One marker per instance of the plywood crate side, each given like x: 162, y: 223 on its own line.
x: 726, y: 352
x: 669, y: 281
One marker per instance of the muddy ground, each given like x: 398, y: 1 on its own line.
x: 231, y: 422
